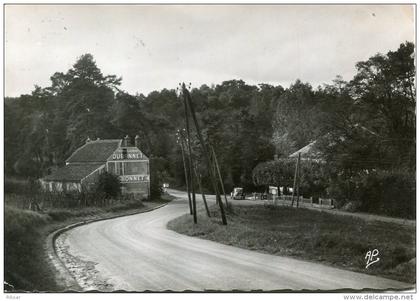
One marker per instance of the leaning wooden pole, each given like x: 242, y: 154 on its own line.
x: 206, y: 154
x: 213, y: 166
x: 294, y: 183
x: 198, y: 176
x: 187, y: 124
x: 219, y: 174
x: 298, y: 181
x: 181, y: 142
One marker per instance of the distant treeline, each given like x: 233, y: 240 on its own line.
x: 361, y: 126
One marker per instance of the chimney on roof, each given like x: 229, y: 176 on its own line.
x: 137, y: 141
x: 126, y: 140
x: 87, y: 140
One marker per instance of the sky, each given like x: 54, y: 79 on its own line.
x: 158, y: 46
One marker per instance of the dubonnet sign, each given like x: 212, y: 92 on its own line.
x: 134, y: 178
x: 129, y: 156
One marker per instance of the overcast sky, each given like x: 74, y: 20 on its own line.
x: 156, y: 47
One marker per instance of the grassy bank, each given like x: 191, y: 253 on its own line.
x: 26, y: 266
x: 340, y: 241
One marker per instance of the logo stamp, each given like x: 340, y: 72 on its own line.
x: 372, y: 257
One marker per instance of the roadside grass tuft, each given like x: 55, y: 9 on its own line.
x: 340, y: 241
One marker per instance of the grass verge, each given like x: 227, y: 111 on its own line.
x: 27, y: 267
x: 340, y: 241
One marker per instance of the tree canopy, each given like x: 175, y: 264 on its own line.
x: 360, y: 126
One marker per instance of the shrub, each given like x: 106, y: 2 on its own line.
x: 281, y: 172
x: 30, y: 187
x: 156, y: 177
x: 278, y: 172
x: 390, y: 193
x: 108, y: 185
x: 23, y: 262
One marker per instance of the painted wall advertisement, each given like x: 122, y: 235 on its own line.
x: 134, y: 178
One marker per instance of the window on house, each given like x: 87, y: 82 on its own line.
x: 119, y: 168
x: 135, y: 168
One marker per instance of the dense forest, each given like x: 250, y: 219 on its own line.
x: 364, y: 129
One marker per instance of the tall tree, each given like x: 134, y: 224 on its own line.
x: 385, y: 94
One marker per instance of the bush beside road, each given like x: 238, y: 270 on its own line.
x: 340, y: 241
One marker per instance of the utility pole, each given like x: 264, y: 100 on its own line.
x: 198, y: 176
x: 298, y: 181
x: 181, y: 143
x: 187, y: 124
x: 294, y: 182
x: 213, y: 169
x: 206, y: 153
x: 220, y: 176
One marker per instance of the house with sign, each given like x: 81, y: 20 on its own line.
x: 116, y: 156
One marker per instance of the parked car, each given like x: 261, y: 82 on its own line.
x: 238, y: 193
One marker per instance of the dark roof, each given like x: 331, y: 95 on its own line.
x: 72, y: 172
x: 94, y: 151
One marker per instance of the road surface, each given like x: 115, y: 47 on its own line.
x: 138, y: 253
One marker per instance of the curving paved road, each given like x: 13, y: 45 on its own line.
x: 138, y: 253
